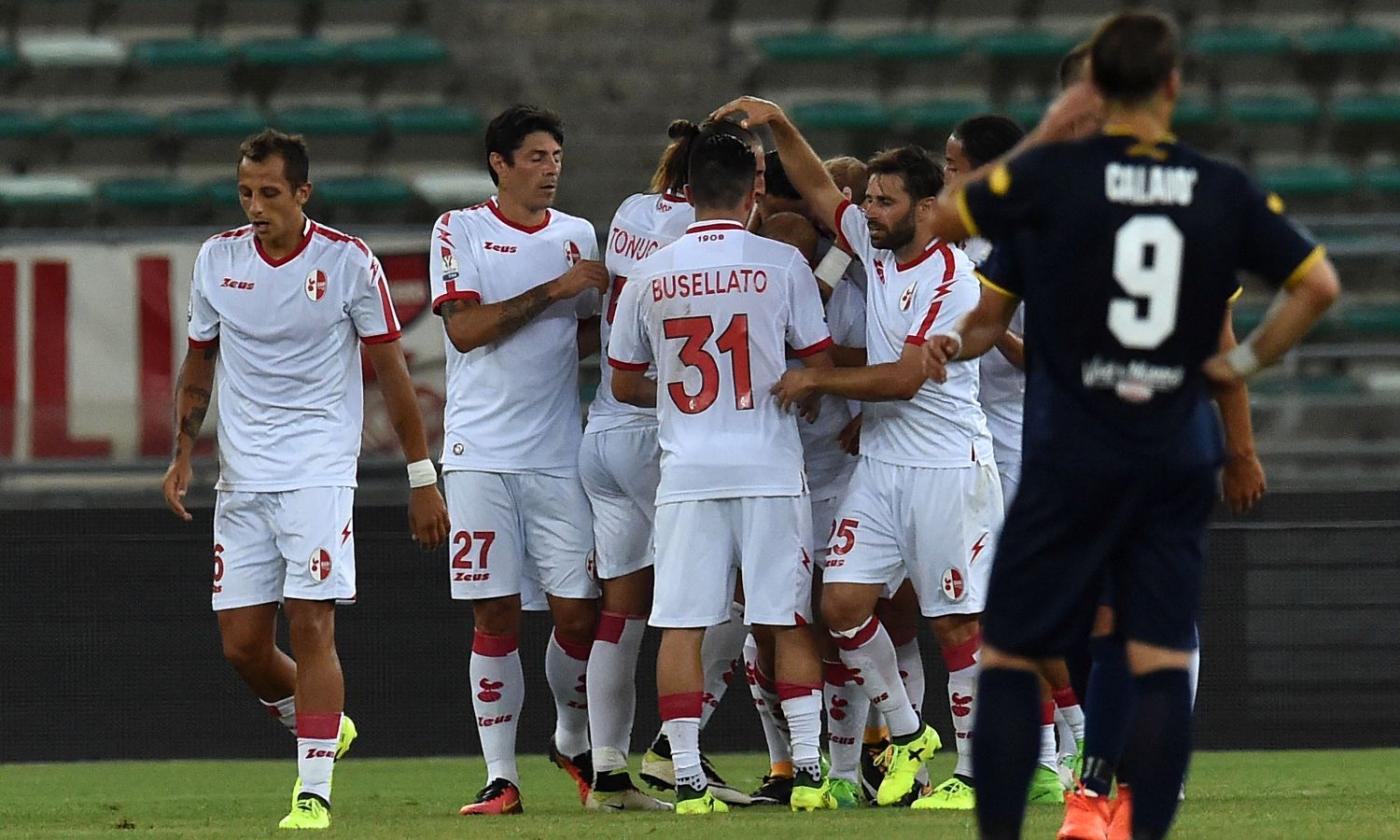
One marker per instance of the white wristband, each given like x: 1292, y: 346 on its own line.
x: 833, y: 266
x: 953, y: 336
x: 1242, y: 360
x: 422, y: 473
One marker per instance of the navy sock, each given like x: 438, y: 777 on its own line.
x: 1108, y: 710
x: 1005, y: 742
x: 1160, y: 745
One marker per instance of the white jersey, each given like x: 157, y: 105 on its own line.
x: 643, y: 224
x: 715, y: 312
x: 943, y: 425
x: 828, y: 465
x: 512, y: 405
x: 291, y: 393
x: 1003, y: 385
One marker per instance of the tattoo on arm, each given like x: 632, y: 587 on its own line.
x: 193, y: 418
x: 521, y: 309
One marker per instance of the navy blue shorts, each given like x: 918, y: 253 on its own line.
x: 1085, y: 534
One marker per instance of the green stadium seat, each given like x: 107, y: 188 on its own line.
x: 215, y: 122
x: 221, y: 193
x: 44, y: 190
x: 182, y: 52
x: 1353, y: 39
x: 8, y: 60
x: 397, y: 51
x: 109, y: 122
x: 327, y: 121
x: 914, y: 46
x: 1274, y: 110
x: 150, y: 193
x: 848, y: 115
x: 1372, y: 321
x: 1028, y: 114
x: 1193, y: 111
x: 289, y: 52
x: 23, y: 124
x: 1238, y: 41
x: 1025, y: 43
x: 808, y: 46
x: 363, y: 191
x: 70, y: 50
x: 1385, y: 179
x: 1316, y: 385
x: 1313, y: 180
x: 941, y: 113
x: 1368, y: 110
x: 433, y: 120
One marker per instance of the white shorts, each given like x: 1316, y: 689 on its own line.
x: 937, y: 526
x: 518, y: 533
x: 700, y: 545
x: 1010, y: 473
x: 823, y: 524
x: 620, y: 469
x: 291, y: 544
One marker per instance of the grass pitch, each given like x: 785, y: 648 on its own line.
x: 1256, y: 796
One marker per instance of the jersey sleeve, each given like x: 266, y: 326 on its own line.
x: 934, y: 309
x: 590, y: 302
x: 371, y: 307
x: 998, y: 273
x: 451, y: 271
x: 1274, y: 248
x: 203, y: 319
x: 629, y: 346
x: 852, y: 232
x: 807, y: 333
x: 1008, y: 196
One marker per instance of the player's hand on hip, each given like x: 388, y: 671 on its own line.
x: 795, y: 388
x: 938, y: 351
x: 850, y: 436
x: 748, y: 111
x: 1221, y: 373
x: 585, y: 275
x: 427, y: 516
x: 177, y: 481
x: 1243, y: 482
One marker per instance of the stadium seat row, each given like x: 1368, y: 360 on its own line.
x: 96, y: 51
x: 1034, y: 43
x: 239, y: 122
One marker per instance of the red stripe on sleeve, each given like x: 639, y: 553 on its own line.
x: 814, y: 349
x: 196, y: 344
x: 840, y: 235
x: 391, y: 321
x: 621, y: 365
x: 464, y: 294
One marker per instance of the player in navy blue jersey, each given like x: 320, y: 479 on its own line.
x: 1128, y: 245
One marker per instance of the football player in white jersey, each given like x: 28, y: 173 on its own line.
x: 278, y: 311
x: 715, y: 312
x: 517, y: 284
x: 925, y: 499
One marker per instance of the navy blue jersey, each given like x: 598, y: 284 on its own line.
x: 1127, y: 255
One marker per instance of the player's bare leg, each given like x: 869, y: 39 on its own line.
x: 320, y: 699
x: 566, y: 669
x: 498, y: 693
x: 249, y: 636
x: 680, y: 679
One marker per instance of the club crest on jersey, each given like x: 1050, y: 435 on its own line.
x: 571, y: 252
x: 320, y: 564
x: 316, y: 285
x: 907, y: 299
x: 880, y: 270
x: 953, y: 584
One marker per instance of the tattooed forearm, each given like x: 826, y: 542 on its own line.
x: 193, y: 392
x: 471, y: 325
x: 521, y: 309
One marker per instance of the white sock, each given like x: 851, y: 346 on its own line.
x: 566, y: 670
x: 911, y: 671
x: 845, y: 721
x: 316, y: 742
x: 285, y: 710
x: 612, y: 688
x: 722, y: 657
x: 498, y: 693
x: 961, y: 662
x: 680, y: 723
x: 1048, y: 752
x: 1069, y: 720
x: 867, y: 651
x: 802, y: 707
x: 769, y: 707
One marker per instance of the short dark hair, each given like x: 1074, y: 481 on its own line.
x: 1133, y: 54
x: 722, y: 165
x: 775, y: 179
x: 922, y: 175
x: 509, y: 129
x: 296, y: 166
x: 1073, y: 64
x: 987, y: 137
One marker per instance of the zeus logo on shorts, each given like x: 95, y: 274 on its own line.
x: 320, y: 564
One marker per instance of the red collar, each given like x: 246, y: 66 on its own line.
x: 491, y: 203
x: 306, y: 233
x: 714, y: 224
x: 933, y: 247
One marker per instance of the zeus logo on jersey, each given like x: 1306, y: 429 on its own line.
x: 230, y: 283
x: 499, y: 248
x: 1128, y: 184
x: 316, y: 285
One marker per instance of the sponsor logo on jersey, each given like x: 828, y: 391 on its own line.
x: 449, y: 265
x: 316, y: 285
x: 571, y: 252
x: 499, y: 248
x: 320, y: 564
x: 230, y: 283
x: 953, y: 584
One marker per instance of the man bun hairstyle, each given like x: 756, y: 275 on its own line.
x: 671, y: 169
x: 508, y: 130
x: 987, y: 137
x: 296, y: 166
x: 722, y: 165
x: 1133, y: 54
x: 923, y: 177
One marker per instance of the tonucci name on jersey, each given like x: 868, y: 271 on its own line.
x: 291, y: 398
x: 943, y: 425
x: 512, y: 405
x: 715, y: 312
x: 643, y: 224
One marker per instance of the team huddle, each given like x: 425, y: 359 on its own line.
x: 837, y: 398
